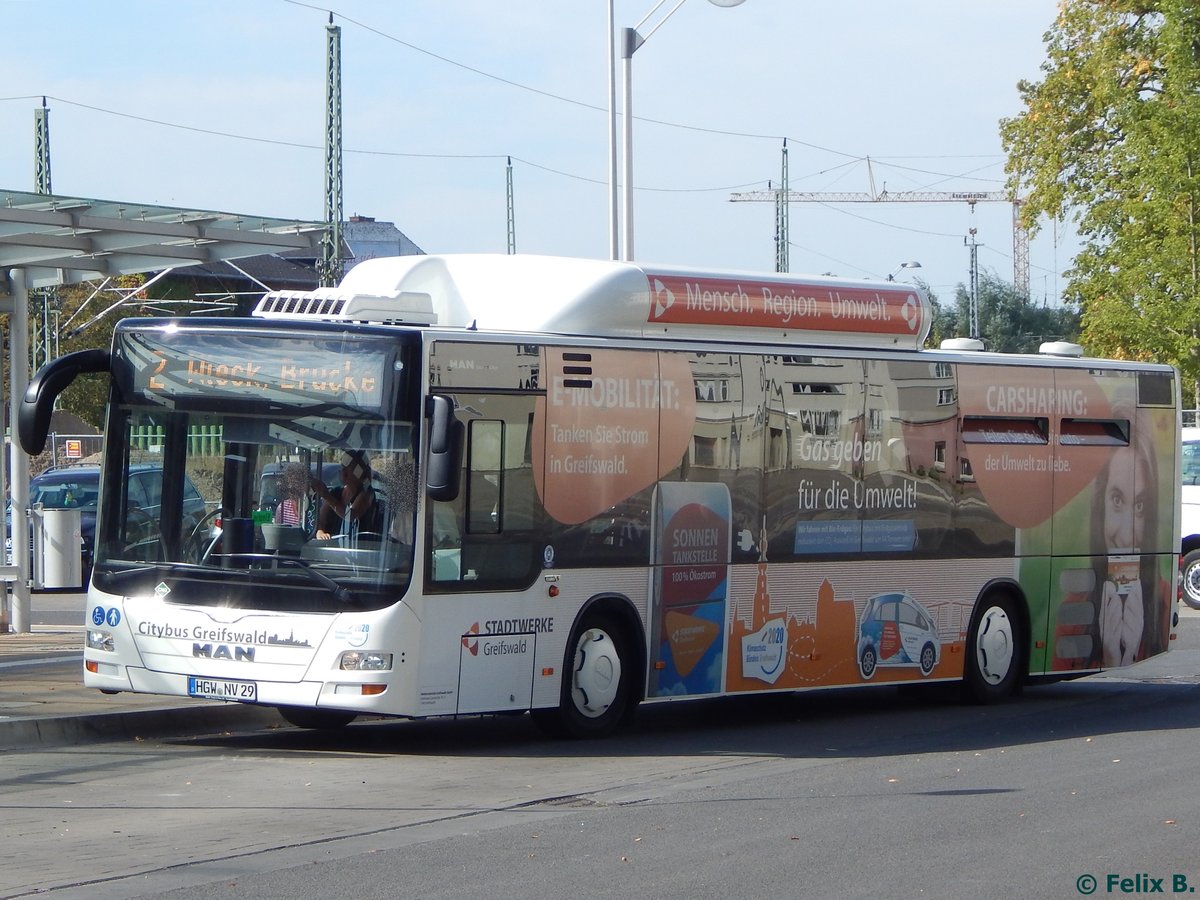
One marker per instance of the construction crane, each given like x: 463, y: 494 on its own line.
x: 782, y: 196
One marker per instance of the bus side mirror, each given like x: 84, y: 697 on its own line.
x: 446, y: 439
x: 33, y: 418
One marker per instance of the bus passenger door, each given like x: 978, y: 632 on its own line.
x: 483, y: 557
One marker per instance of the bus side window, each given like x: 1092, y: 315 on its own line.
x: 445, y: 558
x: 489, y: 536
x: 483, y: 508
x: 486, y: 468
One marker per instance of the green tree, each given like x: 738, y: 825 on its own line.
x: 1009, y: 322
x: 1110, y: 136
x: 92, y: 323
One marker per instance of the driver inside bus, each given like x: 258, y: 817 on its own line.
x: 352, y: 509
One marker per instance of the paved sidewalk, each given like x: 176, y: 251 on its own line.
x: 43, y: 700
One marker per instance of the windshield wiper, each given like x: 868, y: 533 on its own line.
x: 340, y: 593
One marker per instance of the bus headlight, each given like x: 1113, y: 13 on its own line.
x: 100, y: 640
x: 358, y: 661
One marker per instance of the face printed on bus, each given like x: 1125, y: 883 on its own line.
x: 1125, y: 498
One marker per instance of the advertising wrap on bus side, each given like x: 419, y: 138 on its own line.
x: 470, y: 484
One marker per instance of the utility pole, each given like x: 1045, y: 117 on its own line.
x: 973, y: 249
x: 41, y: 149
x: 45, y: 342
x: 1020, y: 251
x: 512, y: 228
x: 330, y: 266
x: 781, y: 216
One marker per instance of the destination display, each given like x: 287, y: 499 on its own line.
x: 266, y: 367
x: 886, y: 310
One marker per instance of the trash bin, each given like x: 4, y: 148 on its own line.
x: 57, y: 548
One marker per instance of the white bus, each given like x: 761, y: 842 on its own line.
x: 575, y: 486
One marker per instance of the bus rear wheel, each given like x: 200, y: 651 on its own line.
x: 992, y: 670
x: 597, y: 686
x: 321, y: 719
x: 1191, y: 579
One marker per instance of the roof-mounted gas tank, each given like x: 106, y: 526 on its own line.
x: 560, y: 295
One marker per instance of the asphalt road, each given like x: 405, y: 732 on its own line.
x: 841, y: 794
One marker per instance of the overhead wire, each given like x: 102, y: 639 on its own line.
x: 850, y: 158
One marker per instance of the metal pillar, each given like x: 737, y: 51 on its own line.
x: 331, y: 245
x: 17, y: 307
x: 10, y: 573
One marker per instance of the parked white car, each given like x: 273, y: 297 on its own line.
x: 1190, y: 548
x: 896, y: 630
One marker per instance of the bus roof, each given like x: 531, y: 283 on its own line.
x: 561, y: 295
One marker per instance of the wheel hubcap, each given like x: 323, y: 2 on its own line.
x: 994, y: 649
x: 866, y: 663
x: 1191, y: 582
x: 597, y: 673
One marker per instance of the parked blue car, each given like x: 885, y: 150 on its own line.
x: 78, y: 487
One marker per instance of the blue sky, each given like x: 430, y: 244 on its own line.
x: 217, y: 104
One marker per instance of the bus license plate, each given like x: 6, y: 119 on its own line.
x: 221, y: 689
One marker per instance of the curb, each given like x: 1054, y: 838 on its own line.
x: 48, y: 731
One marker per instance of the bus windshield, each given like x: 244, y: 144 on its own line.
x: 273, y: 465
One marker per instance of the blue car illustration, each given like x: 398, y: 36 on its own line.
x: 895, y: 630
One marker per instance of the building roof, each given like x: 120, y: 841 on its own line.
x: 273, y: 269
x: 362, y: 238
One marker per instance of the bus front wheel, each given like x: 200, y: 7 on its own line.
x: 596, y: 689
x: 992, y: 668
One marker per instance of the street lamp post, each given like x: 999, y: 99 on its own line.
x: 614, y: 246
x: 913, y: 264
x: 631, y: 40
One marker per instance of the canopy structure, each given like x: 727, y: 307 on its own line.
x: 48, y: 240
x: 64, y: 240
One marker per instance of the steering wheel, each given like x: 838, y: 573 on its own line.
x: 196, y: 538
x: 139, y: 525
